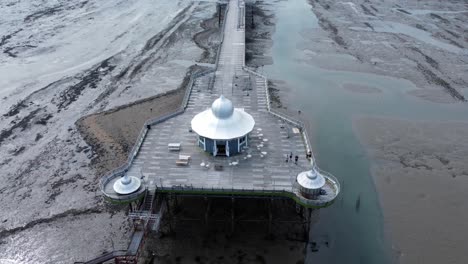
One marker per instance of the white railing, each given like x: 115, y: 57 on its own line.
x: 241, y: 15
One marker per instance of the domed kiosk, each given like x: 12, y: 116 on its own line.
x: 223, y: 130
x: 127, y: 184
x: 316, y: 188
x: 311, y: 182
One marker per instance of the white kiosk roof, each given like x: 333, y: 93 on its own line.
x: 127, y: 184
x: 222, y: 121
x: 311, y: 179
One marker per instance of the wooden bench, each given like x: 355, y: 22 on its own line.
x: 173, y: 146
x: 183, y: 160
x: 184, y: 157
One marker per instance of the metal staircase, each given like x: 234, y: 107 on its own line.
x: 142, y: 218
x: 145, y: 213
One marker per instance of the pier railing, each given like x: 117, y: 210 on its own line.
x: 295, y: 122
x: 241, y: 15
x: 120, y: 171
x: 332, y: 179
x: 292, y: 193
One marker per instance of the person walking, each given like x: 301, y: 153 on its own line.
x: 295, y: 159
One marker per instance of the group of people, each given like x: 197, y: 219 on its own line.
x: 289, y: 157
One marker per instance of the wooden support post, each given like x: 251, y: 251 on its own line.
x: 232, y: 215
x: 207, y: 211
x: 307, y: 229
x: 168, y: 204
x: 270, y: 216
x: 169, y: 213
x: 299, y: 210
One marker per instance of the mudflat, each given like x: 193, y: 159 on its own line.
x: 420, y: 171
x: 113, y: 133
x: 78, y: 59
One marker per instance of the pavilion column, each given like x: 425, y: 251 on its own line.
x: 215, y: 148
x: 227, y: 148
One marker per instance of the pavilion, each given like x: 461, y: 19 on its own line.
x: 222, y: 129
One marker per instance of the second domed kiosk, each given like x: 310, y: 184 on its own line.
x: 311, y: 182
x: 127, y: 184
x: 223, y: 130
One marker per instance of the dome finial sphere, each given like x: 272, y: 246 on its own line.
x: 222, y: 107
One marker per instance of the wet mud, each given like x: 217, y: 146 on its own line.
x: 418, y: 162
x: 49, y: 165
x: 259, y: 26
x: 435, y: 63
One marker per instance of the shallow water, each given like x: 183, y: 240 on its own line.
x: 353, y: 226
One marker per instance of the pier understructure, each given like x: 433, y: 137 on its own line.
x: 263, y: 169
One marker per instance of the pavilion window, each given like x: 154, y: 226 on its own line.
x: 242, y: 140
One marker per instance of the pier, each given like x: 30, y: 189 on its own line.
x: 261, y: 170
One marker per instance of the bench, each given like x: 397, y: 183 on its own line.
x: 184, y: 157
x: 173, y: 146
x: 183, y: 160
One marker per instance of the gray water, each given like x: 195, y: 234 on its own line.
x: 355, y: 234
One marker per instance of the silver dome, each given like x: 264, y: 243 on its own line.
x: 127, y: 184
x: 222, y: 108
x: 223, y: 121
x: 311, y: 180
